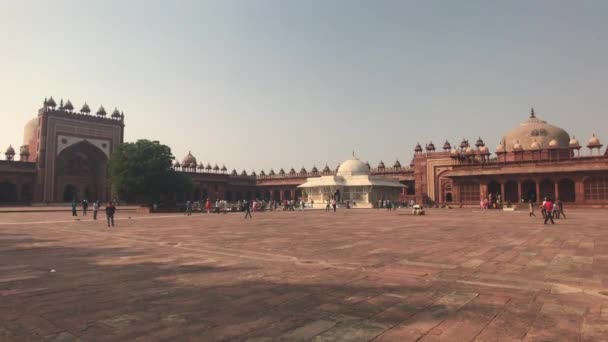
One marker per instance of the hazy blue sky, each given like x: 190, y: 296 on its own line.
x: 261, y: 84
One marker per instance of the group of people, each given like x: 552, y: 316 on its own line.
x: 494, y: 201
x: 549, y: 209
x: 110, y: 210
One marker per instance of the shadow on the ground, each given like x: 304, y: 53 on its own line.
x: 115, y: 294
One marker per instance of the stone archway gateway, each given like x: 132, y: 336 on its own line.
x: 528, y: 191
x: 82, y: 169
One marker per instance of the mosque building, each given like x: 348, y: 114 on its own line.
x: 65, y: 155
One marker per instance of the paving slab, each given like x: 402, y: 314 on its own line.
x: 354, y: 275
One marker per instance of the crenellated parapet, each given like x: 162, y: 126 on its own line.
x: 50, y: 107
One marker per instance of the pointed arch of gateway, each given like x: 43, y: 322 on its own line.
x: 83, y: 168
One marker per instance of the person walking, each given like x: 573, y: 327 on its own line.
x: 555, y: 211
x: 327, y: 206
x: 95, y: 209
x: 110, y: 210
x: 188, y: 208
x: 247, y: 209
x: 531, y: 209
x: 543, y: 208
x: 74, y: 205
x: 334, y: 204
x: 560, y: 207
x: 548, y: 206
x: 85, y: 206
x: 208, y: 206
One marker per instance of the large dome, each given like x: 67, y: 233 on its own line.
x: 30, y: 131
x: 352, y: 167
x: 535, y: 129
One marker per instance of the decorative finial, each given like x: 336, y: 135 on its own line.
x: 532, y: 115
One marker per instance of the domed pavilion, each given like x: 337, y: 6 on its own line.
x: 352, y: 182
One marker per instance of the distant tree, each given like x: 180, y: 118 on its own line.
x: 142, y: 172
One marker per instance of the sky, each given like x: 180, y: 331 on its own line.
x: 260, y: 84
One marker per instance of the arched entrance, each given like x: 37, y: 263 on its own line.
x: 8, y: 192
x: 547, y: 189
x: 26, y: 193
x: 511, y: 192
x: 70, y: 193
x: 299, y: 194
x: 84, y: 167
x: 528, y: 190
x: 566, y: 190
x: 228, y: 195
x: 448, y: 197
x: 197, y: 194
x: 287, y: 195
x: 238, y: 196
x: 276, y: 195
x: 494, y: 190
x: 267, y: 195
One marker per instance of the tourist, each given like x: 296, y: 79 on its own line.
x: 560, y: 206
x: 247, y: 209
x: 110, y: 210
x: 334, y: 204
x: 548, y: 206
x: 543, y: 209
x: 95, y: 209
x: 208, y: 206
x: 85, y: 206
x: 327, y: 206
x: 188, y: 208
x: 531, y: 209
x: 555, y: 211
x: 302, y: 205
x: 74, y: 205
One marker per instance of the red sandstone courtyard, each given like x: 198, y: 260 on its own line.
x: 357, y: 275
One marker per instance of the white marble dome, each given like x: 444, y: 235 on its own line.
x: 352, y: 167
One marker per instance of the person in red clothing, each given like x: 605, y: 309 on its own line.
x: 548, y: 206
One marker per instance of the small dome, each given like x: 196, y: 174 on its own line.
x: 10, y: 151
x: 51, y: 102
x: 116, y: 113
x: 253, y: 173
x: 224, y: 169
x: 244, y: 173
x: 68, y: 106
x: 292, y: 171
x: 553, y: 143
x: 574, y: 142
x: 101, y: 111
x: 469, y: 150
x: 479, y: 143
x: 271, y: 172
x: 216, y: 168
x: 302, y: 170
x: 188, y: 159
x: 326, y: 169
x: 535, y: 145
x: 314, y: 170
x: 233, y: 173
x: 369, y: 167
x: 381, y: 165
x: 397, y: 164
x: 464, y: 143
x: 176, y: 164
x: 85, y: 109
x: 594, y: 141
x: 430, y: 147
x: 262, y: 173
x: 281, y: 172
x: 418, y: 148
x: 484, y: 150
x: 517, y: 146
x: 500, y: 148
x: 453, y: 151
x: 200, y: 166
x: 447, y: 146
x: 352, y: 167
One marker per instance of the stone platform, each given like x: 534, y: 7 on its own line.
x: 354, y: 275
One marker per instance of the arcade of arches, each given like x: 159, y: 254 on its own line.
x: 533, y: 189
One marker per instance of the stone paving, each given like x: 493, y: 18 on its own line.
x: 356, y: 275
